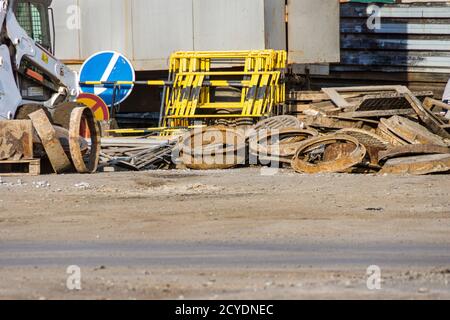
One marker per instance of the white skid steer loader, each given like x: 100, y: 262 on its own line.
x: 31, y: 78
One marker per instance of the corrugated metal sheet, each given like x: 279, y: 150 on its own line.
x: 412, y: 46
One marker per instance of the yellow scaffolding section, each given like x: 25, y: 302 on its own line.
x: 257, y: 75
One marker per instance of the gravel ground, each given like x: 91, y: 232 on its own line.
x: 224, y: 235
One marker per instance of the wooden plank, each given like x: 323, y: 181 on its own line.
x: 368, y: 89
x: 427, y: 117
x: 55, y: 152
x: 308, y: 96
x: 430, y: 104
x: 336, y: 98
x: 341, y: 102
x: 376, y: 113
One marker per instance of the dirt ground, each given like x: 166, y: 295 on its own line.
x: 236, y: 234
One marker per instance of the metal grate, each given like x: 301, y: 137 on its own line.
x: 29, y: 18
x: 23, y: 17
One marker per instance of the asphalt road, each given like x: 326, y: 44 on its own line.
x: 216, y: 255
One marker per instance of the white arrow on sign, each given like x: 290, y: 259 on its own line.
x: 107, y: 73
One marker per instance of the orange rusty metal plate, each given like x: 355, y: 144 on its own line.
x: 16, y: 140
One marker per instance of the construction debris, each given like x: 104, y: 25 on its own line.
x: 328, y: 154
x: 412, y: 132
x: 10, y: 168
x: 213, y: 148
x: 420, y: 165
x: 390, y: 121
x: 25, y: 143
x: 411, y: 150
x: 356, y: 130
x: 136, y: 154
x: 385, y: 129
x: 47, y: 134
x: 16, y: 140
x: 278, y: 145
x: 82, y: 118
x: 279, y: 122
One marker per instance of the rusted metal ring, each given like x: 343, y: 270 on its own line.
x: 76, y: 118
x: 338, y: 165
x: 289, y: 140
x: 226, y: 152
x: 230, y: 141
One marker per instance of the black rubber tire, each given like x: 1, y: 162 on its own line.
x: 23, y: 111
x: 62, y: 112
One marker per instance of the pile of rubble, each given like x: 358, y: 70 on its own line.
x: 387, y: 130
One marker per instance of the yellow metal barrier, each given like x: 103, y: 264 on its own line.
x: 258, y: 75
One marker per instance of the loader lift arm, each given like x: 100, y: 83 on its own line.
x: 29, y: 72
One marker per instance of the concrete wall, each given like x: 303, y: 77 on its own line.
x: 148, y: 31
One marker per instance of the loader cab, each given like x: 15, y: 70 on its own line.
x: 33, y: 16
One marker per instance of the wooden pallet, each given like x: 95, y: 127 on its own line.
x: 10, y: 168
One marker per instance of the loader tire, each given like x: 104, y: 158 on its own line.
x: 23, y: 111
x: 62, y: 112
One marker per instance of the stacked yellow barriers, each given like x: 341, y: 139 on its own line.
x: 256, y: 78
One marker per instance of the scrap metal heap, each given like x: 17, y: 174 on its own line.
x: 382, y: 129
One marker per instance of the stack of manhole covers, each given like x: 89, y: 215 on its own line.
x: 329, y: 154
x: 279, y: 122
x: 373, y: 142
x: 276, y: 139
x: 213, y: 148
x: 278, y: 145
x: 411, y: 132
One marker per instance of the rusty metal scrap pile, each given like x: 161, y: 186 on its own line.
x: 386, y: 130
x: 381, y: 129
x: 136, y: 154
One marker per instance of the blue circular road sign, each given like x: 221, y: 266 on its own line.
x: 107, y: 66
